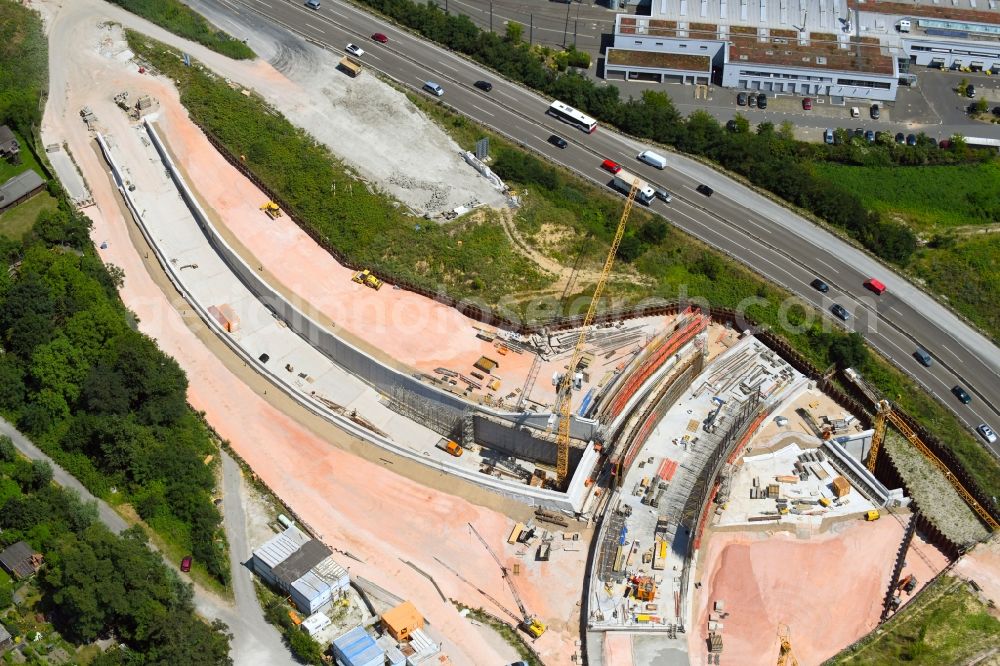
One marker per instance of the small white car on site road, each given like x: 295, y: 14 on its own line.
x: 354, y: 50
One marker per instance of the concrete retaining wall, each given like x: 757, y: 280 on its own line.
x: 570, y: 502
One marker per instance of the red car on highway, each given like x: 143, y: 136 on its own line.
x: 380, y: 38
x: 611, y: 166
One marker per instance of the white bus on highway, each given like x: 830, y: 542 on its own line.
x: 568, y: 114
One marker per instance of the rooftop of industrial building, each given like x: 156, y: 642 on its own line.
x: 281, y: 546
x: 680, y: 61
x: 981, y: 11
x: 358, y: 646
x: 862, y: 55
x: 822, y: 15
x: 301, y: 561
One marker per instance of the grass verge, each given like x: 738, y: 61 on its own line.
x: 178, y: 18
x: 946, y: 624
x: 17, y: 221
x: 511, y: 636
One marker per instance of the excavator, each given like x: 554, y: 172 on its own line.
x: 367, y: 278
x: 785, y: 655
x: 272, y: 209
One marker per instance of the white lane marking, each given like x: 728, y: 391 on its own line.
x: 510, y: 97
x: 263, y: 3
x: 447, y: 66
x: 482, y: 109
x: 310, y: 25
x: 831, y: 268
x: 759, y: 226
x: 944, y: 347
x: 892, y: 309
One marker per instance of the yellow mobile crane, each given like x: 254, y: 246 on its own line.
x: 785, y: 656
x: 564, y: 391
x: 884, y: 415
x: 528, y: 622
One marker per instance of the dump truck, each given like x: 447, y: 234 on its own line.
x: 623, y: 183
x: 451, y: 447
x: 908, y: 584
x: 367, y: 278
x: 272, y: 209
x: 872, y: 515
x: 350, y: 66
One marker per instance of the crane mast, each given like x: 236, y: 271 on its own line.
x: 564, y: 391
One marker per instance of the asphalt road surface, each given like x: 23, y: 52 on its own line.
x: 772, y: 240
x: 254, y: 640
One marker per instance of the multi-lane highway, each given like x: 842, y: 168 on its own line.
x: 772, y: 240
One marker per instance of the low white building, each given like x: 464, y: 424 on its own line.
x: 315, y: 623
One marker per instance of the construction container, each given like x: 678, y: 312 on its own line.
x: 841, y: 487
x: 515, y: 533
x: 824, y: 501
x: 485, y: 364
x: 226, y: 316
x: 872, y: 515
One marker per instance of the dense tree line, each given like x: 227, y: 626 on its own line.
x: 769, y: 159
x: 23, y: 66
x: 96, y: 393
x: 97, y: 585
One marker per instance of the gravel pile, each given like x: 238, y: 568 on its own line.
x: 936, y: 497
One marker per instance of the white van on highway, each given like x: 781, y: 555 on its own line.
x: 433, y: 88
x: 652, y: 159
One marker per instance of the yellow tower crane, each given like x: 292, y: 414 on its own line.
x: 884, y: 415
x: 564, y: 391
x: 785, y: 655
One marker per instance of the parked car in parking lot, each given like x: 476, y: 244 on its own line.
x: 970, y: 91
x: 752, y: 101
x: 900, y: 137
x: 807, y: 104
x: 878, y: 136
x: 829, y: 136
x: 820, y: 286
x: 911, y: 139
x: 557, y: 141
x: 761, y: 101
x: 611, y: 166
x: 859, y: 132
x: 731, y: 125
x: 741, y: 99
x: 874, y: 111
x: 962, y: 395
x: 986, y: 433
x: 840, y: 312
x: 870, y: 136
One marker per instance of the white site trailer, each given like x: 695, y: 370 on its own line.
x: 623, y: 182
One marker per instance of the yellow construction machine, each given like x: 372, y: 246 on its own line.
x: 272, y: 209
x: 528, y: 623
x: 785, y: 656
x: 367, y: 278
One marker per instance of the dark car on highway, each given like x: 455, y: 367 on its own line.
x: 840, y: 312
x: 962, y: 395
x: 485, y: 86
x: 705, y: 189
x: 557, y: 141
x: 820, y: 286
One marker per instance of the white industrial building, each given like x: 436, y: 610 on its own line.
x: 838, y: 48
x: 302, y: 568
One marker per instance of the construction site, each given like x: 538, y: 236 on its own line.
x: 659, y: 475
